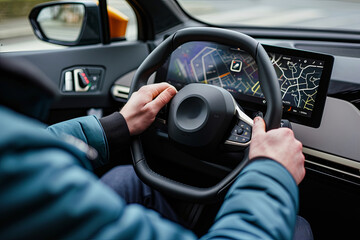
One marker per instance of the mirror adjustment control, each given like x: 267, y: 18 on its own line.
x: 80, y: 84
x: 82, y: 79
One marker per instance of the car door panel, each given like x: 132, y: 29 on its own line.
x: 116, y: 59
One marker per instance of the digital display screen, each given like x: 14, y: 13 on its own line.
x: 233, y: 69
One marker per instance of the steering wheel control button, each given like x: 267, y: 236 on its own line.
x: 239, y: 130
x: 246, y: 127
x: 240, y: 135
x: 244, y: 140
x: 239, y: 139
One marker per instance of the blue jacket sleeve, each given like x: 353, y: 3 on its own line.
x: 261, y: 204
x: 48, y: 195
x: 109, y: 135
x: 47, y: 189
x: 89, y: 130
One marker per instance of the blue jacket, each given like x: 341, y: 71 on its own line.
x: 48, y: 190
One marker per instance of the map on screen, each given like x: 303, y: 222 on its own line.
x: 236, y: 71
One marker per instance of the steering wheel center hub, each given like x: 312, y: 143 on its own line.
x: 192, y: 113
x: 200, y: 114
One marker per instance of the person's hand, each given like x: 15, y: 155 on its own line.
x: 141, y: 109
x: 280, y: 145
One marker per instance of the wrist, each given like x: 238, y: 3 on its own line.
x: 116, y: 130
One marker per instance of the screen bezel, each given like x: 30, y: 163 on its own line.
x: 315, y: 119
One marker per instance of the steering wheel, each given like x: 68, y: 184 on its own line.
x: 197, y: 111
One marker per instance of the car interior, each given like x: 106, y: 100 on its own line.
x: 303, y: 78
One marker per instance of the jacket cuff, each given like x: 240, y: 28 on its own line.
x: 116, y: 131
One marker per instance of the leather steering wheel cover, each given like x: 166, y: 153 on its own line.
x: 268, y: 83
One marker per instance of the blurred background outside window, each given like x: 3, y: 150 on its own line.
x: 16, y: 33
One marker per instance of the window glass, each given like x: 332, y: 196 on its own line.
x: 16, y: 33
x: 124, y: 8
x: 314, y: 14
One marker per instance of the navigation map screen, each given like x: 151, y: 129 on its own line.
x: 300, y: 76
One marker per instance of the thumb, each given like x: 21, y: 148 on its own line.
x: 258, y: 127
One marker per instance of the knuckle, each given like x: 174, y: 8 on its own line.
x: 162, y: 99
x: 134, y: 95
x: 144, y: 90
x: 302, y: 173
x: 299, y: 145
x: 288, y: 132
x: 151, y: 112
x: 164, y: 84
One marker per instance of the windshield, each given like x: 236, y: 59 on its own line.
x: 306, y: 14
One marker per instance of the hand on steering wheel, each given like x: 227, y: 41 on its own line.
x: 193, y: 115
x: 279, y: 145
x: 141, y: 109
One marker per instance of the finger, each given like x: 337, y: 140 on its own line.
x: 163, y: 98
x: 258, y: 128
x: 153, y: 90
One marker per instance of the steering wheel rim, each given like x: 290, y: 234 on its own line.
x: 268, y: 83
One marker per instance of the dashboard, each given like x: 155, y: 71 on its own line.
x: 303, y: 76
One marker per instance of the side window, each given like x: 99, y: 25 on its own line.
x: 125, y: 9
x: 16, y: 33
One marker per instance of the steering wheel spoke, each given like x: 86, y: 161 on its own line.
x: 240, y: 135
x: 162, y: 116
